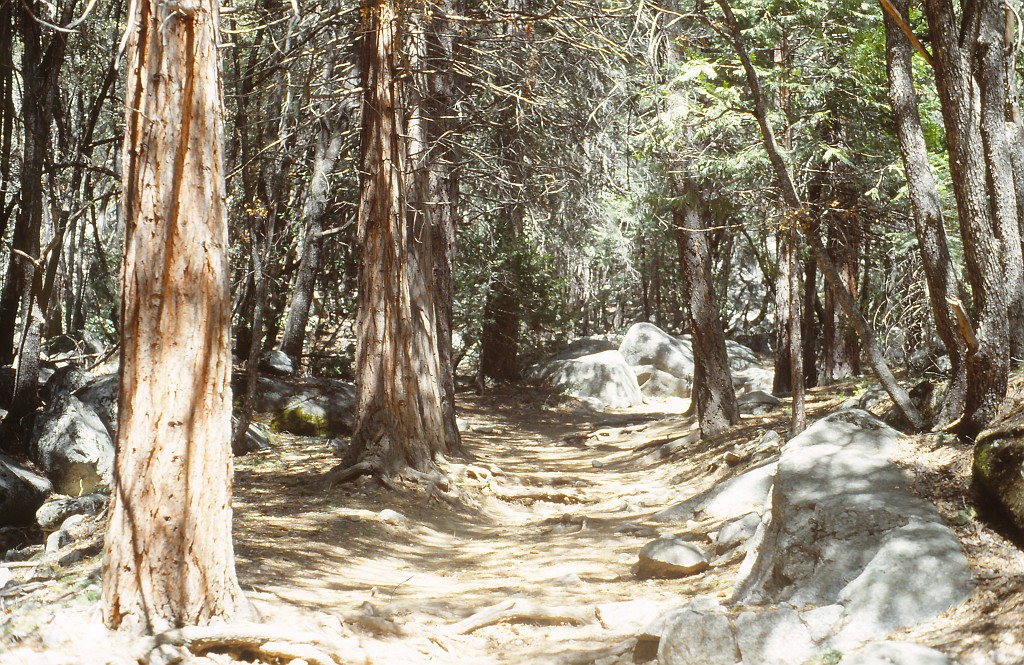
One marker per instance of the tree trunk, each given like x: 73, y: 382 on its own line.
x: 782, y: 383
x: 328, y: 147
x: 714, y: 394
x: 840, y: 350
x: 442, y: 88
x: 792, y: 199
x: 798, y: 421
x: 988, y: 357
x: 990, y: 73
x: 168, y: 551
x: 928, y: 221
x: 398, y: 409
x: 19, y: 299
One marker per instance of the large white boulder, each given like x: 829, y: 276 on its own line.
x: 647, y: 344
x: 604, y: 377
x: 843, y: 528
x: 72, y: 446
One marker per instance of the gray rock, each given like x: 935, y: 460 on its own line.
x: 734, y: 498
x: 872, y: 397
x: 670, y: 556
x: 588, y: 346
x: 277, y: 363
x: 333, y: 399
x: 57, y: 540
x: 52, y: 513
x: 769, y: 440
x: 72, y: 446
x: 601, y: 376
x: 695, y: 637
x: 758, y: 402
x: 64, y: 381
x: 100, y: 395
x: 646, y: 344
x: 656, y: 383
x: 733, y: 534
x: 773, y: 637
x: 257, y: 438
x: 21, y: 493
x: 462, y: 424
x: 897, y: 653
x: 627, y: 616
x: 843, y: 528
x: 823, y: 622
x: 753, y: 378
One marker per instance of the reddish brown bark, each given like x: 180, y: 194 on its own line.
x: 168, y: 553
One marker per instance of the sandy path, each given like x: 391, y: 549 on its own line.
x: 434, y: 565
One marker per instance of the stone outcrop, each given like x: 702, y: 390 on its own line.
x: 604, y: 377
x: 844, y: 555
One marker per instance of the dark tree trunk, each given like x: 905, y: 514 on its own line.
x: 988, y: 357
x: 19, y: 298
x: 713, y: 393
x: 840, y: 349
x: 928, y: 221
x: 798, y: 421
x: 328, y: 147
x: 499, y: 343
x: 809, y: 328
x: 782, y: 383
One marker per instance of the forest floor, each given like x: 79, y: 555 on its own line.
x: 553, y: 509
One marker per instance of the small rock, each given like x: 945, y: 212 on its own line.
x: 71, y: 522
x: 634, y: 529
x: 337, y: 446
x: 627, y: 616
x: 769, y: 440
x: 570, y: 580
x: 57, y: 540
x: 736, y: 532
x: 773, y: 637
x: 732, y: 458
x: 483, y: 429
x: 670, y: 556
x: 597, y: 464
x: 389, y: 516
x: 822, y: 622
x: 52, y: 513
x: 758, y: 402
x: 698, y: 638
x: 462, y: 424
x: 277, y: 363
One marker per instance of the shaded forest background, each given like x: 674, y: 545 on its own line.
x: 566, y: 122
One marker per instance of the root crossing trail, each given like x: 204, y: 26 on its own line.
x: 536, y: 566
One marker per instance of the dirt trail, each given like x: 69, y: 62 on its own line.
x: 405, y: 581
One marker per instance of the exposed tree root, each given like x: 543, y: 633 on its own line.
x: 522, y: 610
x: 549, y: 494
x: 267, y: 642
x: 342, y: 474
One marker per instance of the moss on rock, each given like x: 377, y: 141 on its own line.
x: 303, y: 418
x: 998, y: 467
